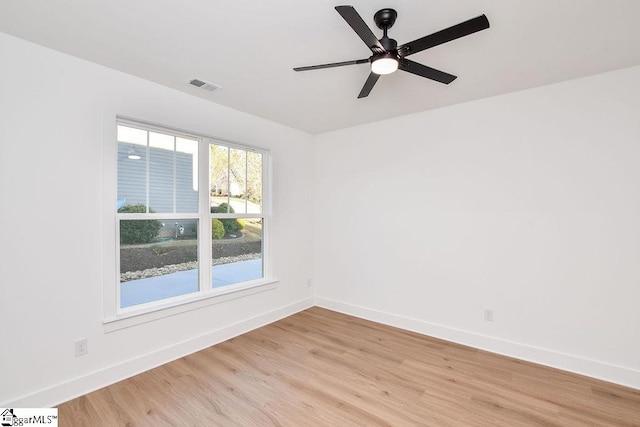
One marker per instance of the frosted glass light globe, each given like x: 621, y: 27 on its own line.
x: 384, y: 65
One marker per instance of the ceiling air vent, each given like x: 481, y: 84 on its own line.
x: 203, y: 85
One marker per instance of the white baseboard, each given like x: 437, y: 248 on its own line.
x: 567, y: 362
x: 62, y: 392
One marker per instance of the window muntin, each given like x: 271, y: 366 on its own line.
x: 158, y: 172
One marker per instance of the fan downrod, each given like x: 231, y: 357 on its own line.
x: 385, y: 18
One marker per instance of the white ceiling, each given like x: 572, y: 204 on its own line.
x: 250, y: 47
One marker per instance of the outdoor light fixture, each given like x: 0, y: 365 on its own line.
x: 133, y: 155
x: 384, y: 64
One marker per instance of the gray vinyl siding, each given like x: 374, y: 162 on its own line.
x: 132, y: 179
x: 186, y: 196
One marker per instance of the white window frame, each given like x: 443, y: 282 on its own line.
x: 116, y: 317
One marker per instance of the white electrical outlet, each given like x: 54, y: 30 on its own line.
x: 488, y: 315
x: 82, y: 347
x: 309, y: 283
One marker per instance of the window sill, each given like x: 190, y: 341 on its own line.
x: 187, y: 303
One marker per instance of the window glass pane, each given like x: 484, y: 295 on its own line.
x: 158, y: 260
x: 219, y: 190
x: 161, y: 141
x: 132, y: 172
x: 254, y: 182
x: 237, y: 180
x: 132, y: 167
x: 237, y: 251
x: 132, y: 135
x: 161, y: 174
x: 186, y: 175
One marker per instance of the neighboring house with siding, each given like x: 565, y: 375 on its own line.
x: 162, y: 165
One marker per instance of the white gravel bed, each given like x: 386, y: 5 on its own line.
x: 173, y: 268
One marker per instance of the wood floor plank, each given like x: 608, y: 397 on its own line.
x: 324, y: 368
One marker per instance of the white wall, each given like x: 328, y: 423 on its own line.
x: 527, y: 204
x: 54, y: 114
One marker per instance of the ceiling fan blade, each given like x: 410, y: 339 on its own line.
x: 364, y: 32
x: 334, y: 64
x: 424, y: 71
x: 463, y: 29
x: 368, y: 85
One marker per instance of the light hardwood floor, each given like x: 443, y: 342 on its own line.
x: 321, y: 368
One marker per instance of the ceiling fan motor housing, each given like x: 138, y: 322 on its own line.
x: 388, y: 44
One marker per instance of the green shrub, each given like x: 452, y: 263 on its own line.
x: 224, y: 208
x: 217, y: 229
x: 138, y: 230
x: 231, y: 225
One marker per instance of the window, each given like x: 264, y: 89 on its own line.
x: 169, y: 219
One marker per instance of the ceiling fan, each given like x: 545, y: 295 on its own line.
x: 388, y: 56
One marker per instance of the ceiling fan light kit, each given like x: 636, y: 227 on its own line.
x: 384, y: 64
x: 388, y: 57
